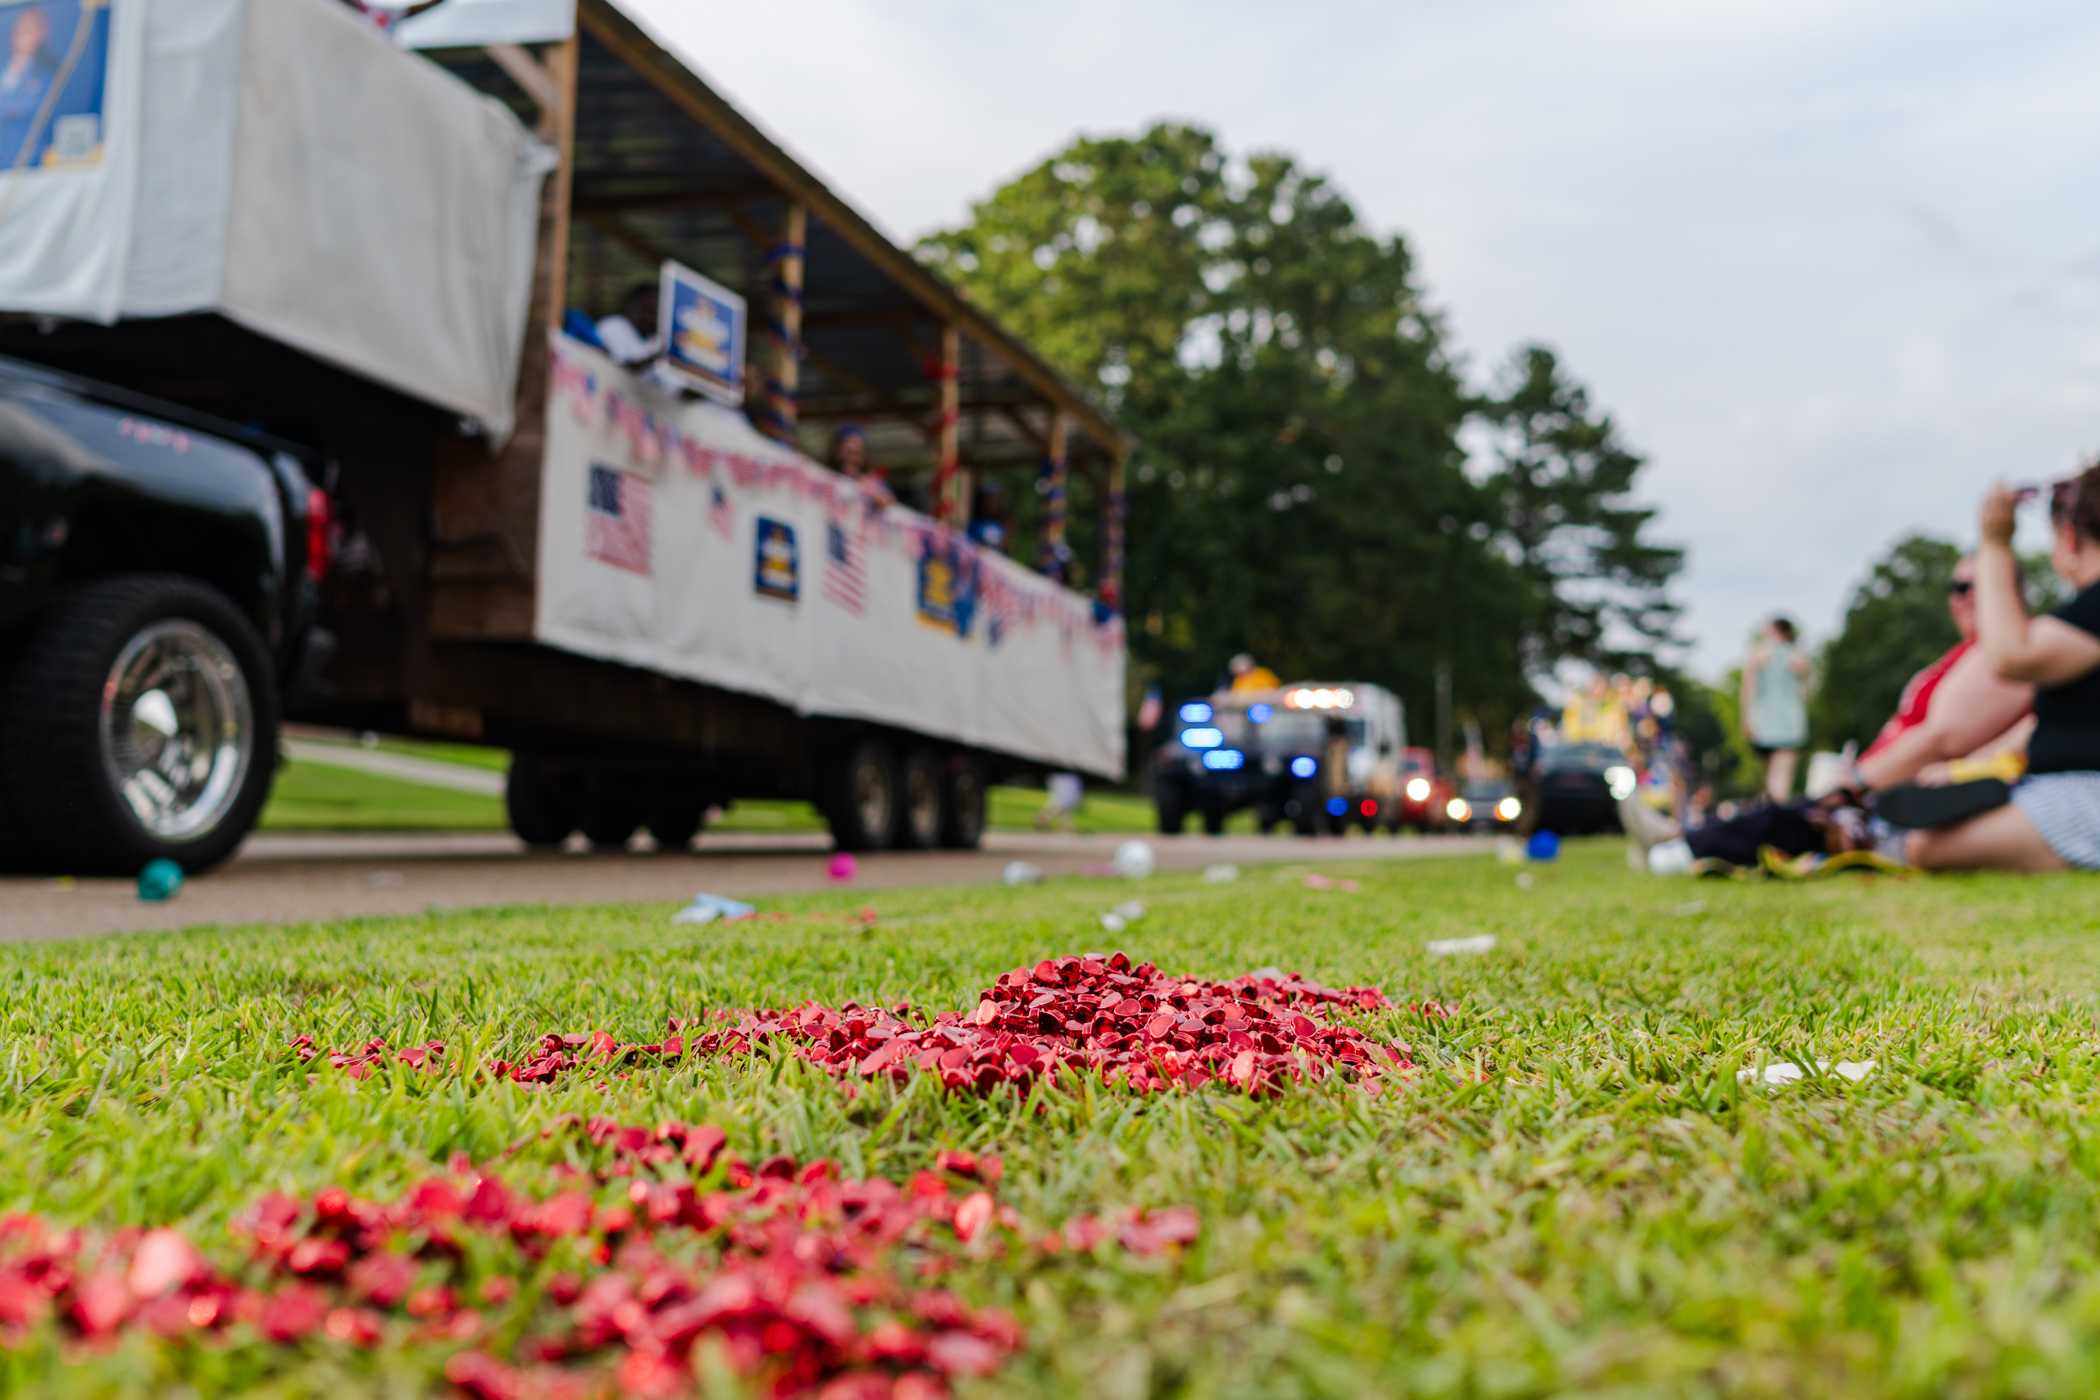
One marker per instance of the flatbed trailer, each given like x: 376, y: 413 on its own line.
x: 491, y: 579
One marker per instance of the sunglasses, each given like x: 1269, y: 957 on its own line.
x: 1961, y: 588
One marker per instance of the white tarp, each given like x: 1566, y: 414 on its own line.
x: 673, y: 536
x: 467, y: 22
x: 278, y: 162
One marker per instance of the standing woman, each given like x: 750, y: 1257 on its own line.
x: 1775, y: 705
x: 2053, y: 820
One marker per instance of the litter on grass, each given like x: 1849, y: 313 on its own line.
x: 1020, y: 872
x: 1321, y: 882
x: 841, y: 868
x: 1123, y: 916
x: 803, y: 1281
x: 1135, y: 860
x: 1220, y: 874
x: 706, y: 908
x: 1446, y: 947
x: 1786, y: 1072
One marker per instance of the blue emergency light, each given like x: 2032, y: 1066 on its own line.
x: 1337, y: 806
x: 1224, y: 760
x: 1259, y: 714
x: 1195, y: 712
x: 1304, y: 766
x: 1207, y: 737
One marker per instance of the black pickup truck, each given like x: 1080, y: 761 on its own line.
x: 159, y: 584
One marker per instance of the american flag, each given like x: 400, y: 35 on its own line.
x: 719, y: 513
x: 845, y: 570
x: 616, y: 524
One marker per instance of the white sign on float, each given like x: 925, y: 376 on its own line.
x: 702, y: 333
x: 467, y: 23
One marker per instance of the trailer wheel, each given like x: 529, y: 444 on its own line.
x: 674, y: 821
x: 542, y: 810
x: 864, y: 797
x: 919, y: 813
x: 141, y: 725
x: 610, y: 820
x: 963, y: 805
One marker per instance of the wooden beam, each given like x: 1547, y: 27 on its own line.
x: 783, y: 328
x: 628, y: 43
x: 1015, y: 416
x: 532, y: 78
x: 646, y: 201
x: 1111, y: 589
x: 951, y: 486
x: 485, y: 505
x: 1057, y: 480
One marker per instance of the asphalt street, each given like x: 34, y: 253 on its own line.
x: 296, y: 879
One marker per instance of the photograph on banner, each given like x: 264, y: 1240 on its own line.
x: 54, y: 57
x: 703, y: 331
x: 776, y: 568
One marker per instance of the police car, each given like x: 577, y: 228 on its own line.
x: 1318, y: 757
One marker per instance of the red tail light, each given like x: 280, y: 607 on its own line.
x: 1369, y: 808
x: 320, y: 521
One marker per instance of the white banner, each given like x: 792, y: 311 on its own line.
x: 675, y: 537
x: 470, y: 23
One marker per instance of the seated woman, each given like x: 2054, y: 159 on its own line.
x: 2053, y: 820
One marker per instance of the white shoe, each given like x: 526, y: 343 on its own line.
x: 1671, y: 857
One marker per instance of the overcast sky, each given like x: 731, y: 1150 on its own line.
x: 1832, y: 266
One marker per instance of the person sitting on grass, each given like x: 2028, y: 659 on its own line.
x: 1956, y: 708
x: 2052, y: 821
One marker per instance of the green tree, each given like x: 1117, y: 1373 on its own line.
x: 1563, y: 486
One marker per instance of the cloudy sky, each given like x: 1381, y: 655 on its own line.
x: 1833, y: 265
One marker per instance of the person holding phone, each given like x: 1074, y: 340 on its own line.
x: 2053, y: 819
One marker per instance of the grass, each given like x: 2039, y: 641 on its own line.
x: 1575, y: 1194
x: 314, y: 797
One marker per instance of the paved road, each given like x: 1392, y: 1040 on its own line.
x: 286, y: 879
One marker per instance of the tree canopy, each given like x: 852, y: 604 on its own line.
x: 1300, y: 490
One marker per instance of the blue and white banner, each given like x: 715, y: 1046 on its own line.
x: 703, y: 328
x: 768, y: 574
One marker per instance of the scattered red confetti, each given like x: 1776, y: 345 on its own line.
x: 803, y: 1280
x: 1099, y: 1016
x: 373, y: 1054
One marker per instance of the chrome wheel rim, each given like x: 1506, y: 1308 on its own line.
x: 177, y: 729
x: 871, y: 794
x: 923, y: 804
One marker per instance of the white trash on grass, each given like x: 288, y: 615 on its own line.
x: 1220, y: 874
x: 706, y: 908
x: 1445, y: 947
x: 1786, y: 1072
x: 1020, y: 872
x: 1122, y: 916
x: 1134, y: 860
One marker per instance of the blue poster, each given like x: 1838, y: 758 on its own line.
x: 703, y: 327
x: 776, y: 566
x: 54, y: 56
x: 947, y: 586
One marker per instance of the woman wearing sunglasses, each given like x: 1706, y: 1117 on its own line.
x: 2053, y: 819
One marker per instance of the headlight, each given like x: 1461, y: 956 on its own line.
x: 1509, y: 809
x: 1418, y: 789
x: 1459, y: 810
x: 1621, y: 780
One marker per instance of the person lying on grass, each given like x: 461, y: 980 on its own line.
x: 2052, y: 821
x: 1956, y: 709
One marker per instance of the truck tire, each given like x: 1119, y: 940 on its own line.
x: 1213, y: 821
x: 543, y: 811
x: 963, y: 805
x: 141, y: 725
x: 864, y: 796
x: 610, y: 819
x: 919, y: 812
x: 1304, y: 810
x: 673, y: 822
x: 1173, y: 809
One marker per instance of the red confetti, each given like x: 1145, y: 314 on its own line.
x: 1099, y: 1017
x: 803, y: 1281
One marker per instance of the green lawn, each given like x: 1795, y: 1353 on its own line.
x: 315, y: 797
x: 1572, y: 1194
